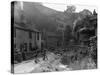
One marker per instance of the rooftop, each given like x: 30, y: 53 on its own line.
x: 26, y: 28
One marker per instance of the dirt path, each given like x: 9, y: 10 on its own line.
x: 51, y: 64
x: 25, y: 67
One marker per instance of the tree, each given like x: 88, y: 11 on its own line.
x: 70, y: 9
x: 94, y: 12
x: 86, y: 12
x: 85, y: 28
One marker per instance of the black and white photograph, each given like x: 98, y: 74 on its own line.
x: 51, y: 37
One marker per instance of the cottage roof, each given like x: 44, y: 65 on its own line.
x: 26, y: 28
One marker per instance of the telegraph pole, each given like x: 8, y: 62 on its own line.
x: 61, y: 27
x: 62, y: 38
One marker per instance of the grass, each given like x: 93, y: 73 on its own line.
x: 85, y: 63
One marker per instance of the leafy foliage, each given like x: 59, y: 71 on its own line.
x: 71, y: 9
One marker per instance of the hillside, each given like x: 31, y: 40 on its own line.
x: 38, y: 15
x: 41, y: 17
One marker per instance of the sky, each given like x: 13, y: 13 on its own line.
x: 61, y: 5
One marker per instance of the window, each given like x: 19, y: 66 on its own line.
x: 30, y: 35
x: 30, y: 46
x: 37, y: 36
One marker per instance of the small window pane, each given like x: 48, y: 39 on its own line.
x: 30, y: 35
x: 37, y: 36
